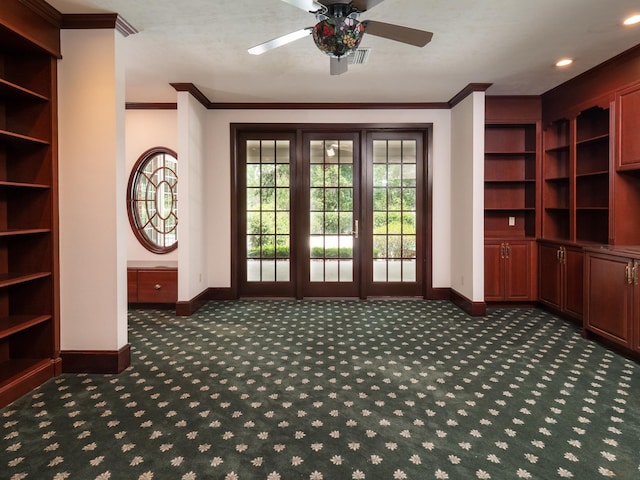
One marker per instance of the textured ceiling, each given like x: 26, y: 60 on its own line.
x: 512, y: 44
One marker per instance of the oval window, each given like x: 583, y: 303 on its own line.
x: 152, y: 200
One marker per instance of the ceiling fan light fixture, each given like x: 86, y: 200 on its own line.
x: 338, y: 36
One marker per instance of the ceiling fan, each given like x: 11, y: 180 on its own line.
x: 339, y: 32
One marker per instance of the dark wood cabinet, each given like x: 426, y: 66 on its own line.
x: 512, y: 138
x: 575, y: 178
x: 150, y: 283
x: 132, y: 285
x: 576, y: 203
x: 508, y: 271
x: 627, y: 127
x: 560, y: 273
x: 612, y: 301
x: 590, y: 189
x: 29, y: 280
x: 158, y: 286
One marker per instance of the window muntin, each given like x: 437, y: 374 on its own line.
x: 268, y: 211
x: 331, y: 219
x: 394, y: 210
x: 152, y: 196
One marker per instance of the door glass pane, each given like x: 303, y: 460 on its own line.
x: 253, y: 270
x: 283, y: 267
x: 346, y: 270
x: 394, y: 211
x: 268, y: 204
x: 331, y: 211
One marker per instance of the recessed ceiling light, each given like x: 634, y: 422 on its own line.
x: 563, y: 62
x: 632, y: 20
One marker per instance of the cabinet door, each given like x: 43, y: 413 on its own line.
x: 518, y: 272
x: 608, y: 300
x: 132, y: 286
x: 573, y: 282
x: 493, y: 277
x: 635, y: 307
x: 636, y: 318
x: 628, y: 125
x: 549, y: 287
x: 157, y: 286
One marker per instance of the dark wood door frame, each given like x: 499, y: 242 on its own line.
x: 324, y: 289
x: 423, y: 243
x: 237, y: 130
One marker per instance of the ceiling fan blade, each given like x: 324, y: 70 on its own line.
x: 306, y: 5
x: 280, y: 41
x: 411, y: 36
x: 339, y: 65
x: 364, y: 5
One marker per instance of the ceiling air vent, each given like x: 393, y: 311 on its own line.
x: 359, y: 56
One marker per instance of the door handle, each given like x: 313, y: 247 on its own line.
x: 561, y: 255
x: 355, y: 229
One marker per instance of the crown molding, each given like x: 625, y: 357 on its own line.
x: 630, y: 55
x: 468, y: 90
x: 44, y: 10
x: 208, y: 104
x: 193, y: 90
x: 124, y: 27
x: 151, y: 106
x: 87, y: 21
x: 329, y: 106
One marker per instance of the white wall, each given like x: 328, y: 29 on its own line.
x: 92, y: 180
x: 218, y: 181
x: 193, y: 214
x: 467, y: 197
x: 463, y: 204
x: 146, y: 129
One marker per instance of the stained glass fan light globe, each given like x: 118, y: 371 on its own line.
x: 338, y: 36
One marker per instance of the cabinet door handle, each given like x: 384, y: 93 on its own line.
x: 507, y: 249
x: 502, y: 250
x: 626, y: 273
x: 157, y: 286
x: 564, y: 256
x: 635, y: 272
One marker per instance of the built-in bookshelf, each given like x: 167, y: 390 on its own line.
x: 575, y: 178
x: 555, y: 181
x: 592, y: 176
x: 29, y: 323
x: 510, y: 180
x: 511, y: 219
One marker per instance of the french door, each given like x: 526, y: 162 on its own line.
x: 330, y: 217
x: 330, y: 213
x: 395, y: 214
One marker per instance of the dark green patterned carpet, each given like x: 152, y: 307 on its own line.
x: 337, y: 390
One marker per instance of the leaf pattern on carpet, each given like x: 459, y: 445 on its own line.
x: 333, y: 390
